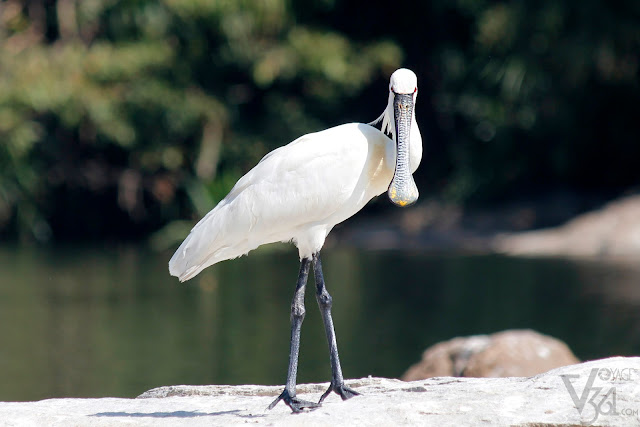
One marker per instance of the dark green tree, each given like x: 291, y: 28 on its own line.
x: 119, y: 116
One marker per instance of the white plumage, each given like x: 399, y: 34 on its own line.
x: 300, y: 191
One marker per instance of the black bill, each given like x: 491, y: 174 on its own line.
x: 402, y: 190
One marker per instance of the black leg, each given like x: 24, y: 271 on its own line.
x: 297, y: 316
x: 325, y: 302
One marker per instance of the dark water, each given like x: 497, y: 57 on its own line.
x: 111, y: 322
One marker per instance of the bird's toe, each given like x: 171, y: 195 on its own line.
x: 341, y: 390
x: 296, y: 405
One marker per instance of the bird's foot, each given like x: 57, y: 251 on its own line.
x: 341, y: 390
x: 296, y: 405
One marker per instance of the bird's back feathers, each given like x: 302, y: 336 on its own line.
x: 297, y: 192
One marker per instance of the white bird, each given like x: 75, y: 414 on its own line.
x: 298, y: 193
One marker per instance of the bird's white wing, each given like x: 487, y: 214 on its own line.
x: 293, y: 189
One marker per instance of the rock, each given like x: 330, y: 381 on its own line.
x: 521, y: 353
x: 602, y: 392
x: 551, y: 225
x: 612, y: 231
x: 447, y: 358
x: 514, y: 353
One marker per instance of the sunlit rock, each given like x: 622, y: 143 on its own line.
x: 514, y: 353
x: 602, y: 392
x: 609, y: 232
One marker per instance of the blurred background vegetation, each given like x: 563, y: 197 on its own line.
x: 120, y: 118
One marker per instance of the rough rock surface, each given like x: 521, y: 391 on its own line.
x: 602, y: 392
x: 513, y: 353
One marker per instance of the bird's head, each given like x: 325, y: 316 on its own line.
x: 404, y: 81
x: 396, y: 121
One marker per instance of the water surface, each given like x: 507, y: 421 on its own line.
x: 110, y: 321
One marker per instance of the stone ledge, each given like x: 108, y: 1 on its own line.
x: 542, y: 400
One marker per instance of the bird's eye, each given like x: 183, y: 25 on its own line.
x: 415, y: 90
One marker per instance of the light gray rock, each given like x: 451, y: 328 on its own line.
x: 612, y: 231
x: 608, y: 391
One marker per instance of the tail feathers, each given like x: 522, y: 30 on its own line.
x: 180, y: 267
x: 184, y: 268
x: 188, y: 274
x: 197, y: 252
x: 191, y: 257
x: 217, y: 237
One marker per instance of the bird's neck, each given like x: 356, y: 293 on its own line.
x: 415, y: 145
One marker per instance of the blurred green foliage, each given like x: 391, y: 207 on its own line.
x: 118, y: 117
x: 542, y: 94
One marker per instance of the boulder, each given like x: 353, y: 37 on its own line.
x: 612, y: 231
x: 513, y: 353
x: 602, y: 392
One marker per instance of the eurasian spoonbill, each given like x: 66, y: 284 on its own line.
x: 298, y: 193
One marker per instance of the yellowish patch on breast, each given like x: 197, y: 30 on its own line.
x: 378, y: 171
